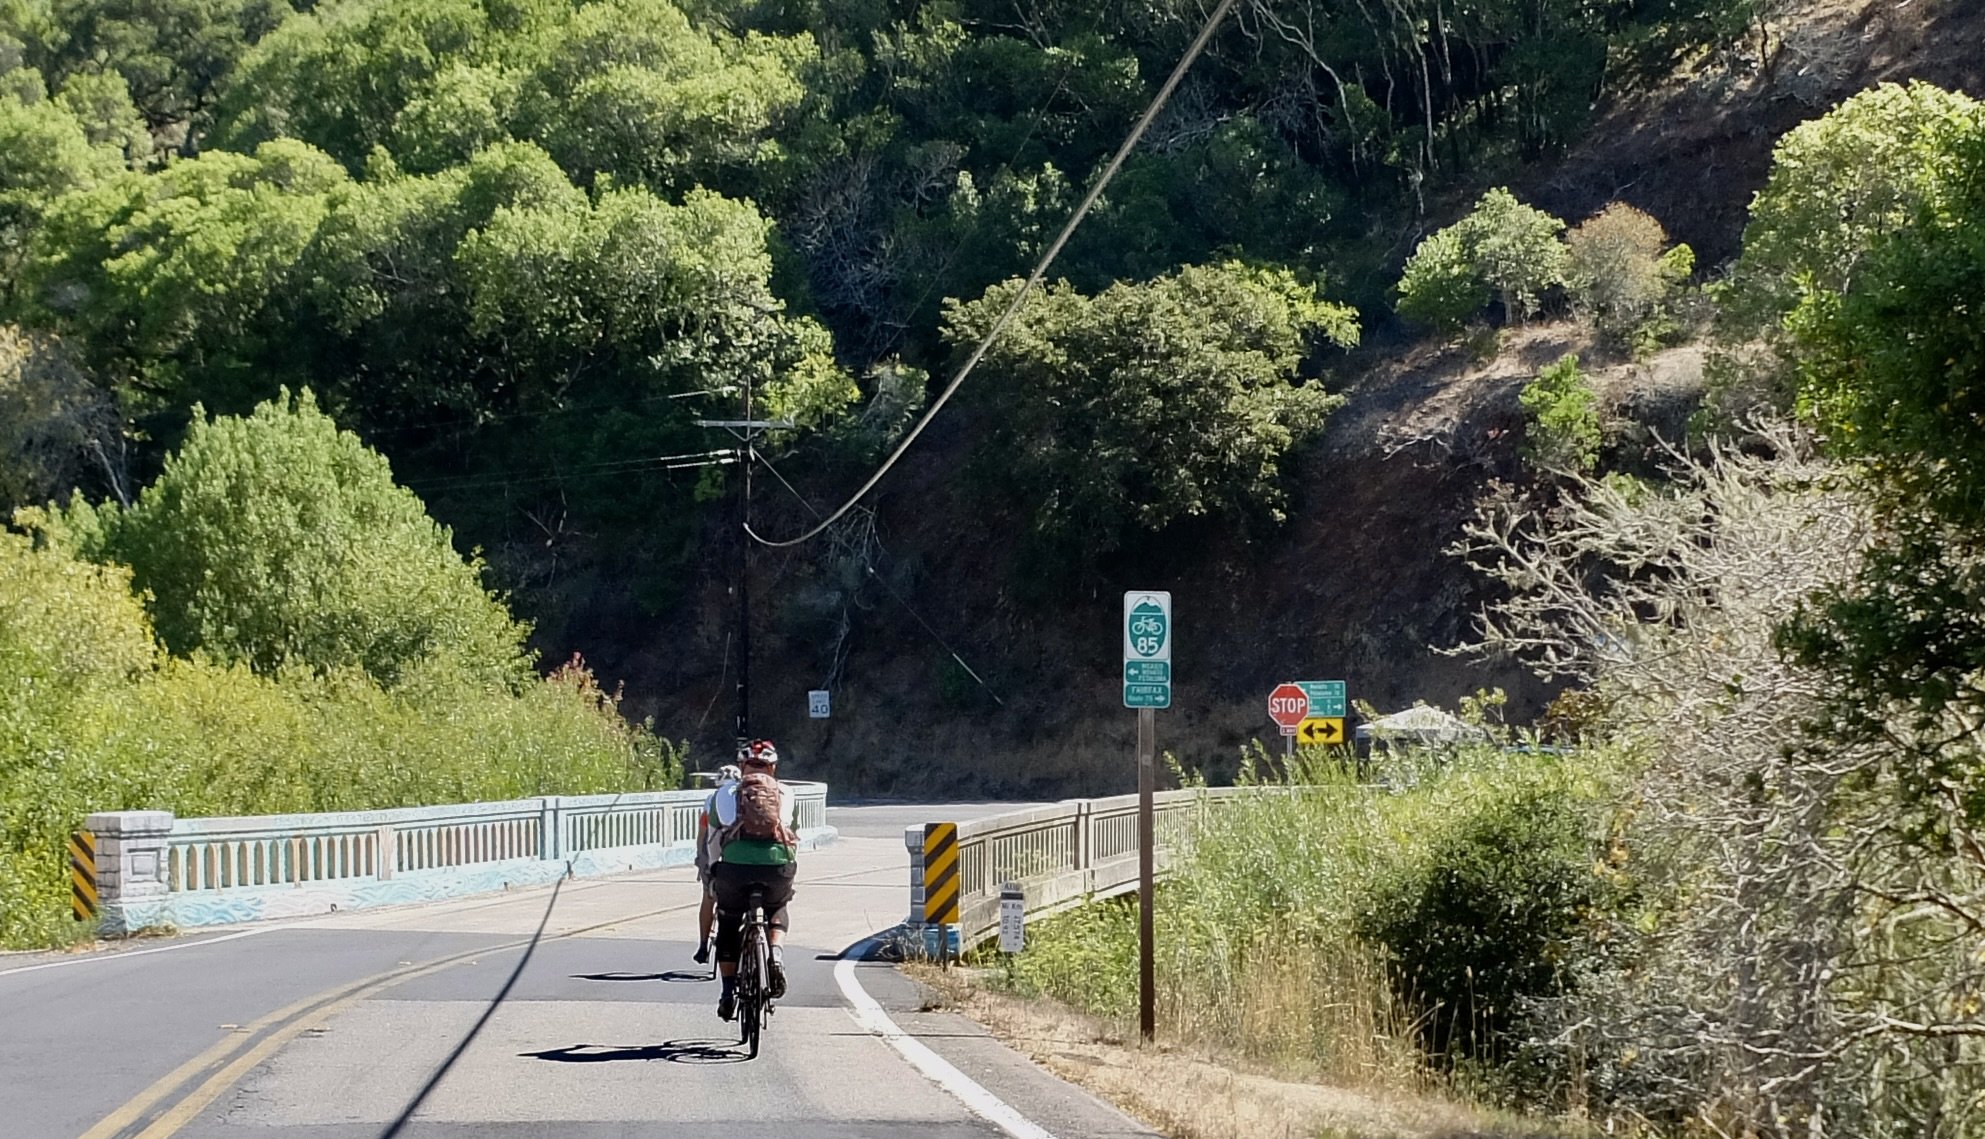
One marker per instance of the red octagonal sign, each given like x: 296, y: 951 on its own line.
x: 1288, y: 705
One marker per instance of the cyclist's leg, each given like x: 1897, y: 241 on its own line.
x: 778, y: 893
x: 706, y: 912
x: 730, y: 885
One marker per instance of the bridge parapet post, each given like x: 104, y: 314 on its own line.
x: 131, y: 867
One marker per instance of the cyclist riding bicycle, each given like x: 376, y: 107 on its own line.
x: 750, y: 829
x: 706, y: 911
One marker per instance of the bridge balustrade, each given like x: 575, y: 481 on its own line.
x: 157, y: 870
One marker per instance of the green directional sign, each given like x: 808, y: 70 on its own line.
x: 1147, y: 649
x: 1326, y: 697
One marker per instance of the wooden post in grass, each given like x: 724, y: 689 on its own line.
x: 1147, y: 686
x: 1147, y: 779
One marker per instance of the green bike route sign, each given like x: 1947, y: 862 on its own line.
x: 1147, y: 649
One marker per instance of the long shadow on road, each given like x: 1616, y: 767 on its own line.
x: 673, y: 976
x: 673, y: 1051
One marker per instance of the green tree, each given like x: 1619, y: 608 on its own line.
x: 624, y: 88
x: 1148, y: 403
x: 278, y: 541
x: 1502, y: 247
x: 44, y: 153
x: 1838, y: 185
x: 1562, y: 414
x: 173, y: 55
x: 177, y: 284
x: 1894, y: 367
x: 1516, y: 249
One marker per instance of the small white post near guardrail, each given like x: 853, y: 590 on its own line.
x: 1061, y: 855
x: 155, y: 870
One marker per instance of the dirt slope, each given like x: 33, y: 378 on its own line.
x: 1355, y: 586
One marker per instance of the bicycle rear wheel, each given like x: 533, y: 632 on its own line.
x: 754, y: 992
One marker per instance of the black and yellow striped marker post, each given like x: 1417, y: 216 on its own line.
x: 82, y: 875
x: 941, y: 873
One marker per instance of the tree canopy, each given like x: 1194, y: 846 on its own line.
x: 277, y: 541
x: 1144, y: 405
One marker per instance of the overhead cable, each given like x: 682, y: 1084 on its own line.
x: 1040, y: 271
x: 884, y: 583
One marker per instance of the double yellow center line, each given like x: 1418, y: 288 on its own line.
x: 237, y: 1054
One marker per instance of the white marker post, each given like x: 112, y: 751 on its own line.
x: 1147, y: 686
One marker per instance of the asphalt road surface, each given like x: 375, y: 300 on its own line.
x: 571, y: 1012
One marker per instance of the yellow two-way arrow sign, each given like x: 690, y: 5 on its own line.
x: 1321, y: 730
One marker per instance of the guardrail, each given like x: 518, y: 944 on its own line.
x: 157, y: 870
x: 1061, y: 855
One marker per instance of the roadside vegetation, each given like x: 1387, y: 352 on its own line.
x: 300, y: 307
x: 1745, y: 900
x: 272, y: 626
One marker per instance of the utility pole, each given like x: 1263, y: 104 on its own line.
x: 743, y: 429
x: 744, y: 573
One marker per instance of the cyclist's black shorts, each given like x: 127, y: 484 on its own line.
x: 733, y: 883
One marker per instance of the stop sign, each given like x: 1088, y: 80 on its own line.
x: 1288, y: 705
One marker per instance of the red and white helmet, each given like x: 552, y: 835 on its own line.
x: 758, y: 751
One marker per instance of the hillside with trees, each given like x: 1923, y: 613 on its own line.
x: 1613, y: 371
x: 1367, y: 261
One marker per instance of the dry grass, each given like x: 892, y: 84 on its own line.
x: 1195, y: 1093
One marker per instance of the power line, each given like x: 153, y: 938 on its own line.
x: 886, y: 588
x: 617, y: 466
x: 978, y: 216
x: 1040, y: 270
x: 469, y: 419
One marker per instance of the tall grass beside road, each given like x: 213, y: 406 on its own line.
x: 94, y: 716
x: 1371, y: 933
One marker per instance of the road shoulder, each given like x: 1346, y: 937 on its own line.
x: 1183, y: 1095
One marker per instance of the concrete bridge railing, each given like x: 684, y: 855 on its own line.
x: 156, y: 870
x: 1062, y: 855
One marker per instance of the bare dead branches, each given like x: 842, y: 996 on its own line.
x: 1807, y: 964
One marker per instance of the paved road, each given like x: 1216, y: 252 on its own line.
x: 571, y: 1012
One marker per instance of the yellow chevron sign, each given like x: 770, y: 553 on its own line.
x: 82, y: 875
x: 941, y: 873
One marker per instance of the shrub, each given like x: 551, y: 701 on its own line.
x: 1287, y: 932
x: 279, y: 541
x: 1619, y: 270
x: 1491, y: 921
x: 1562, y: 413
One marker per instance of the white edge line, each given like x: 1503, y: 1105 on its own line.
x: 868, y: 1013
x: 130, y: 953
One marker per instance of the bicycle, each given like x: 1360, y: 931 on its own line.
x: 754, y: 974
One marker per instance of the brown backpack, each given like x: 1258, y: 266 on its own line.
x: 760, y: 813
